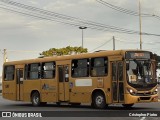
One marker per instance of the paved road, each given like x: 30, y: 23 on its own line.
x: 24, y: 106
x: 6, y: 105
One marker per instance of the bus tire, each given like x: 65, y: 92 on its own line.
x: 35, y: 99
x: 99, y: 100
x: 127, y: 105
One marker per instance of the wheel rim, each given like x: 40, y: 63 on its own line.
x: 99, y: 100
x: 35, y: 99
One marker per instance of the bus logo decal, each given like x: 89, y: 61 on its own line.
x: 45, y: 86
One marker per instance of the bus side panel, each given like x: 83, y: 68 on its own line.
x: 83, y: 94
x: 80, y: 93
x: 49, y: 90
x: 29, y: 86
x: 9, y: 90
x: 107, y: 89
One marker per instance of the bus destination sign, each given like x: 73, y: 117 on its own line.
x: 140, y: 55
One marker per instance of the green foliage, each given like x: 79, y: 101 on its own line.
x: 64, y: 51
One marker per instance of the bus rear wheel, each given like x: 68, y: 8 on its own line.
x: 99, y: 101
x: 127, y: 105
x: 35, y: 99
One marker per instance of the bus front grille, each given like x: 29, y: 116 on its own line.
x: 145, y: 98
x: 143, y: 94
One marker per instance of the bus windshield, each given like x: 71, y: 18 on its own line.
x: 140, y: 73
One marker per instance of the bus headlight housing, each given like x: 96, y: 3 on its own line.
x: 156, y: 91
x: 131, y: 91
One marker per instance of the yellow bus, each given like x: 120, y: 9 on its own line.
x: 101, y: 78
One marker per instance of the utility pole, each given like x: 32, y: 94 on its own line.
x: 113, y: 43
x: 5, y: 55
x: 140, y: 25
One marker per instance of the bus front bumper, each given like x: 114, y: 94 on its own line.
x: 129, y: 99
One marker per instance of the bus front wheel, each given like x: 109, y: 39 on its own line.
x: 99, y: 100
x: 35, y: 99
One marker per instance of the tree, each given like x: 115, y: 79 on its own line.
x: 64, y: 51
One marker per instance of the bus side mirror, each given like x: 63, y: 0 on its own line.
x: 127, y: 66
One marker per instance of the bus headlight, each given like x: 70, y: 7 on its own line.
x: 132, y: 92
x: 155, y: 91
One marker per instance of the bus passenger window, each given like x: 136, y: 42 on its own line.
x: 9, y: 72
x: 99, y: 66
x: 80, y: 68
x: 48, y: 70
x: 34, y: 71
x: 25, y: 72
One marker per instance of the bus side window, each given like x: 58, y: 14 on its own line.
x: 34, y: 71
x: 9, y: 72
x: 26, y: 72
x: 99, y: 66
x: 80, y: 68
x: 48, y: 70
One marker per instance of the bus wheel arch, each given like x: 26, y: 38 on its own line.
x: 98, y: 99
x: 35, y: 98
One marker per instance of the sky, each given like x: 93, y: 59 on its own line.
x: 25, y: 37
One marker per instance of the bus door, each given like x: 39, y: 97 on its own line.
x: 63, y: 77
x: 117, y: 82
x: 19, y: 83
